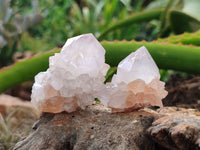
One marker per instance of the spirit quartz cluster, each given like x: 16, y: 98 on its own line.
x: 136, y: 84
x: 76, y: 75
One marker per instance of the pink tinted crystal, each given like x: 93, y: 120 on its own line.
x: 73, y: 78
x: 136, y: 84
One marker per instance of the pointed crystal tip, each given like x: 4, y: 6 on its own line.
x: 136, y: 84
x: 137, y: 65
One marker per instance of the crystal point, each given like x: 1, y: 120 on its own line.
x: 137, y: 65
x: 73, y: 78
x: 136, y: 84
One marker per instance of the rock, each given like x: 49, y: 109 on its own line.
x: 9, y: 103
x: 95, y: 128
x: 177, y: 128
x: 16, y: 119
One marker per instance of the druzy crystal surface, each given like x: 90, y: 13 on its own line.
x: 73, y: 78
x: 136, y: 84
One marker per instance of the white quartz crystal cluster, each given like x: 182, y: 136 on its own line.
x: 74, y: 77
x: 135, y: 85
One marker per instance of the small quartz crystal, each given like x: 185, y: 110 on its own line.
x: 136, y: 84
x: 73, y: 78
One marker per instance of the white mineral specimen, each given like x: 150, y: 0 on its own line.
x: 73, y: 78
x: 135, y: 85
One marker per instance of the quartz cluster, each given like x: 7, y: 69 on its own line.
x: 74, y: 77
x: 136, y: 84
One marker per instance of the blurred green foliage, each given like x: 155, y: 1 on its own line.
x: 12, y: 25
x: 59, y: 20
x: 62, y: 19
x: 69, y: 18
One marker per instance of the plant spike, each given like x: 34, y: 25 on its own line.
x: 185, y: 39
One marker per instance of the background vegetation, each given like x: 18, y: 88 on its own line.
x: 33, y: 27
x: 37, y: 26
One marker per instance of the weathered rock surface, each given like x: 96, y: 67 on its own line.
x: 96, y: 128
x: 177, y: 128
x: 18, y: 108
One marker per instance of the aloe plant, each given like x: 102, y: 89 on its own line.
x: 24, y: 70
x: 169, y: 53
x: 135, y: 18
x: 167, y: 56
x: 172, y: 19
x: 181, y: 22
x: 185, y: 39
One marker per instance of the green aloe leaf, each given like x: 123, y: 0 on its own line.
x: 185, y: 39
x: 24, y: 70
x: 110, y: 73
x: 167, y: 56
x: 135, y: 18
x: 181, y: 22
